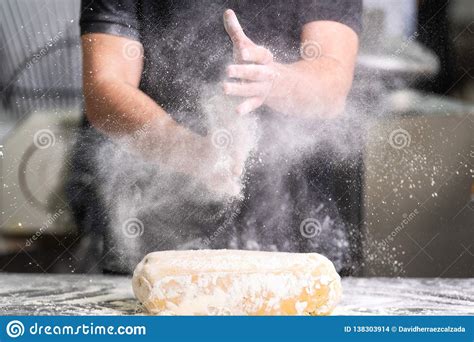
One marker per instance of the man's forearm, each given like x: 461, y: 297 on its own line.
x: 313, y: 87
x: 123, y: 111
x: 116, y: 106
x: 310, y: 89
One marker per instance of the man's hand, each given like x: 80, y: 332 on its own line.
x: 254, y: 67
x: 312, y: 87
x: 222, y: 169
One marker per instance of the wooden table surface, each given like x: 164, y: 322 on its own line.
x: 33, y: 294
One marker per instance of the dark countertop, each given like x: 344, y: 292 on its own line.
x: 33, y: 294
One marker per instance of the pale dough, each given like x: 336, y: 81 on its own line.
x: 235, y: 282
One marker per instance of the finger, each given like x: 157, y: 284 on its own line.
x: 244, y: 89
x: 249, y: 105
x: 256, y: 54
x: 233, y: 28
x: 250, y: 72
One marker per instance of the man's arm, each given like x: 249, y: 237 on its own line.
x: 116, y: 106
x: 315, y: 86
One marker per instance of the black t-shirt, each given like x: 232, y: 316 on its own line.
x: 186, y: 46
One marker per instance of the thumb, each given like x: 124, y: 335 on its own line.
x: 233, y: 28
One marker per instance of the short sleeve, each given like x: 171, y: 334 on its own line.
x: 347, y: 12
x: 117, y: 17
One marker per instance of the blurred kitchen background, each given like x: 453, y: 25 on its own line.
x: 414, y: 206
